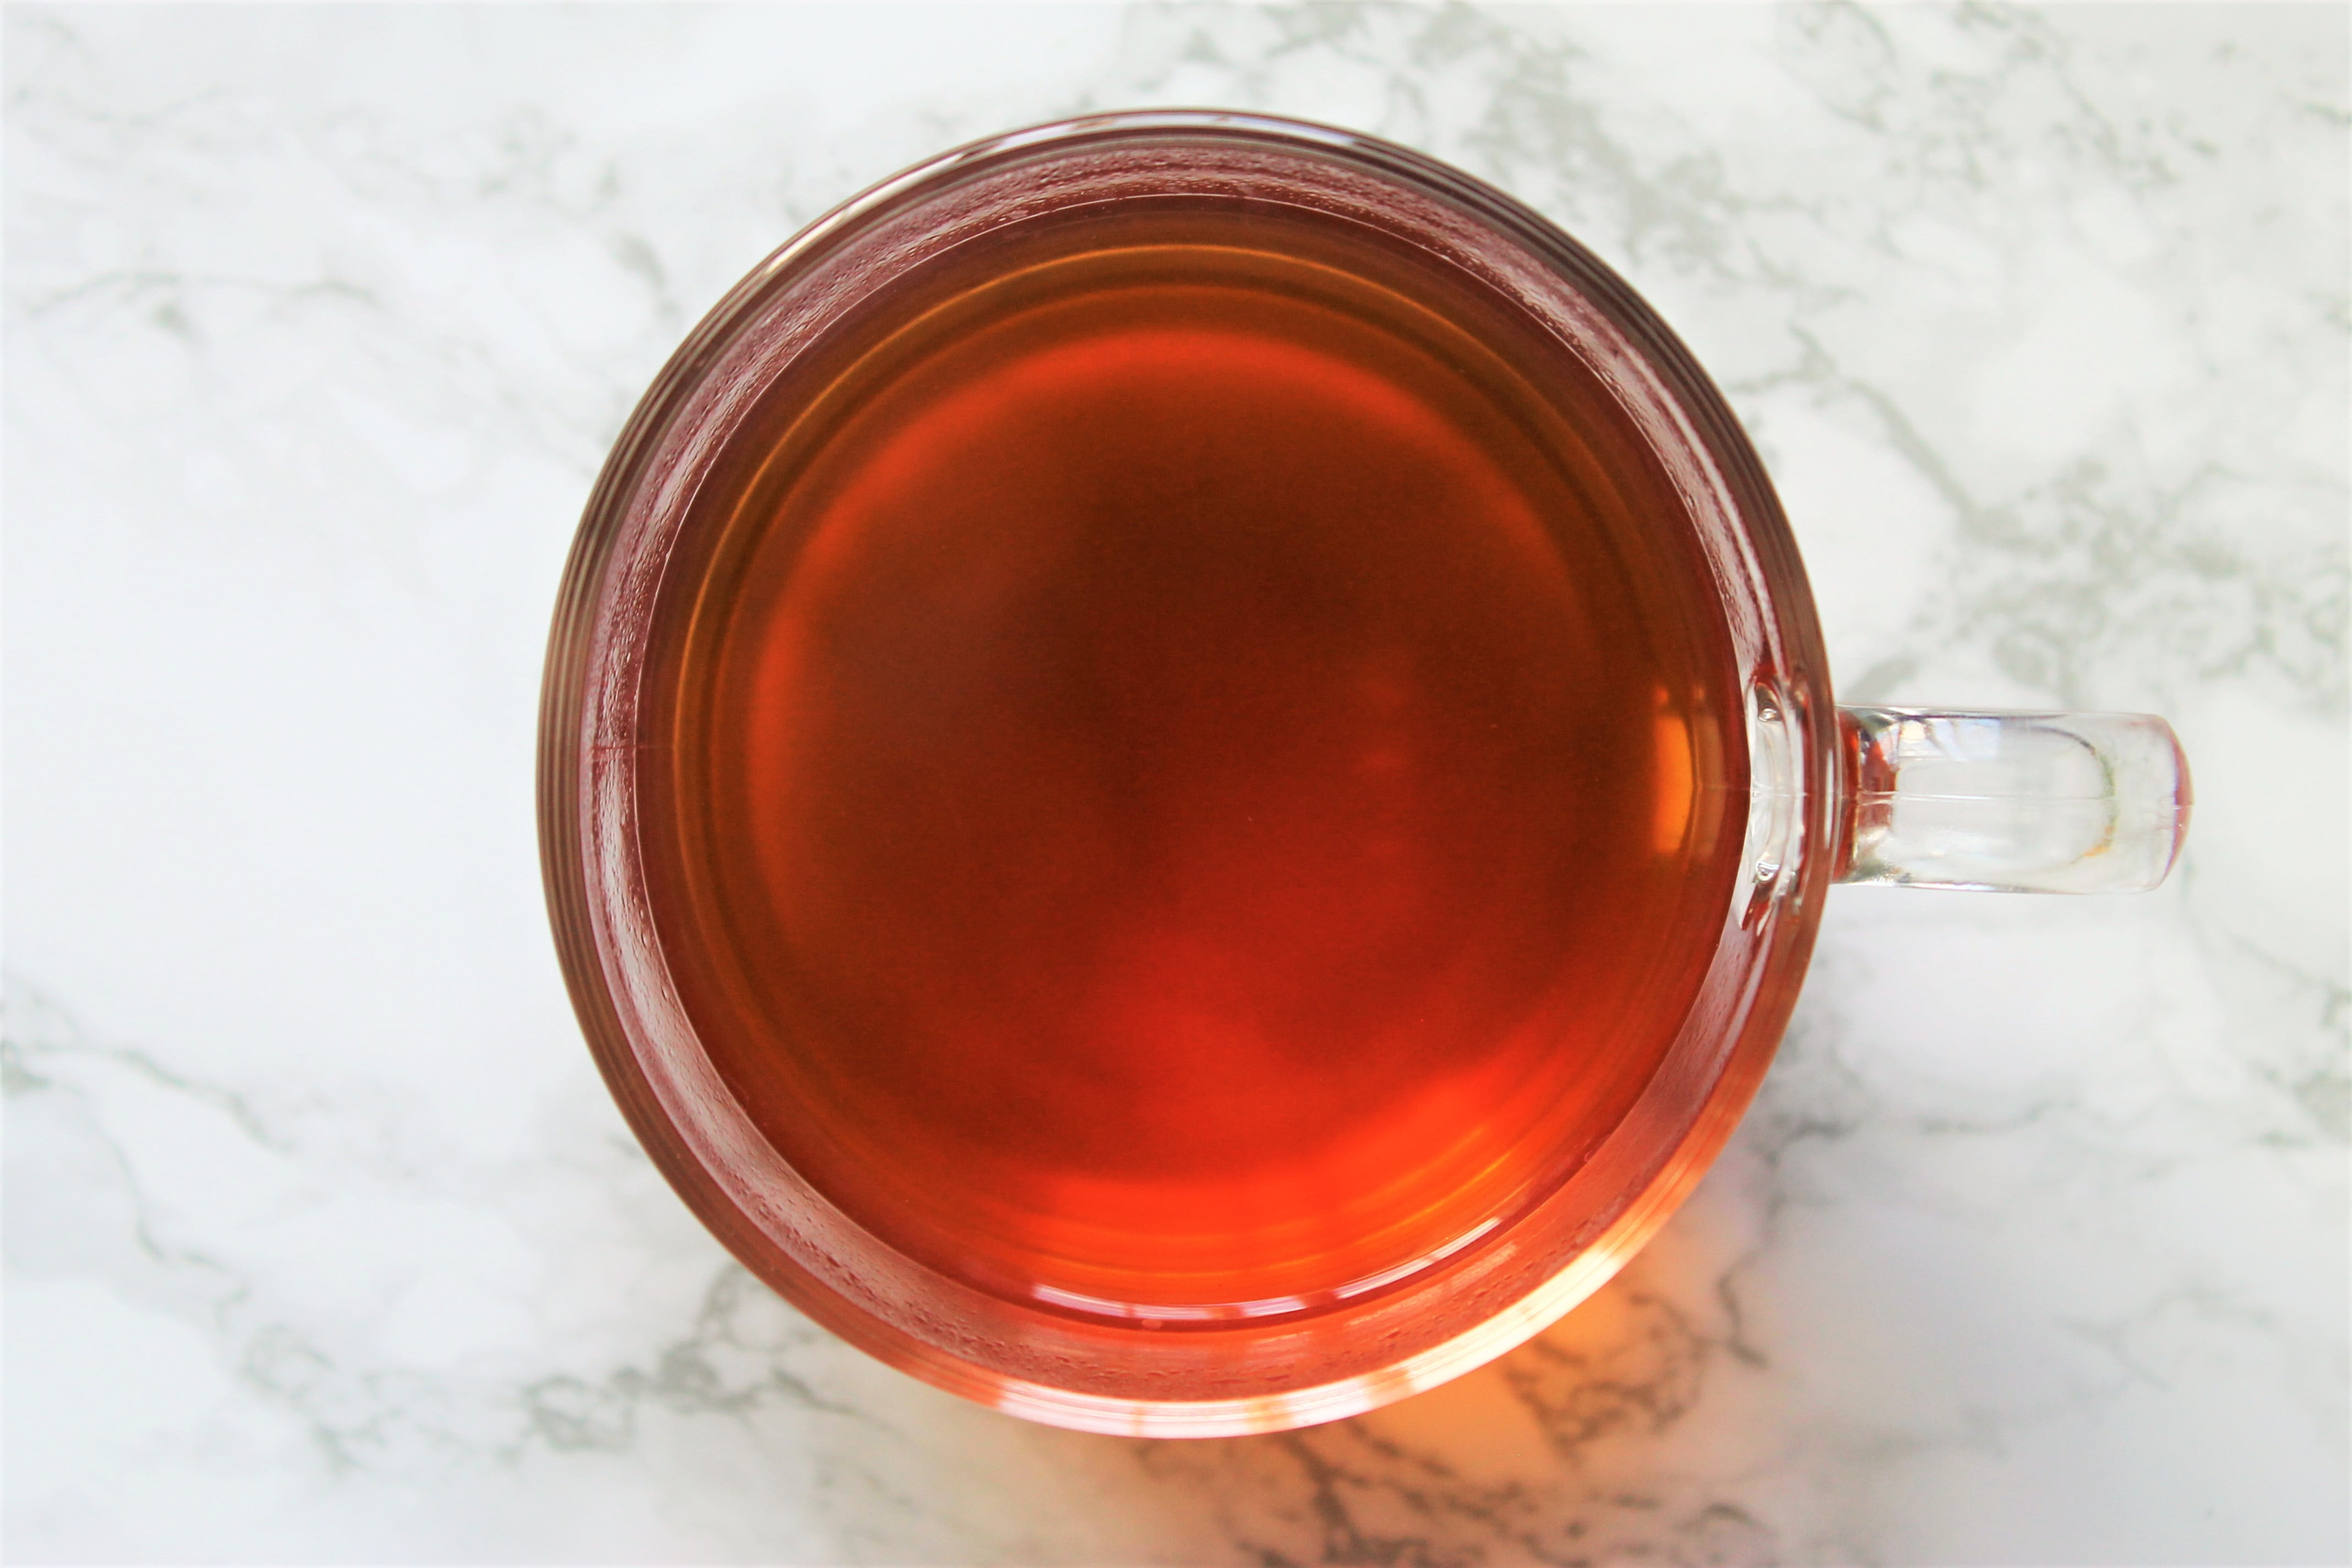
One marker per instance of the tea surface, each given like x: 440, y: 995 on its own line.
x: 1189, y: 781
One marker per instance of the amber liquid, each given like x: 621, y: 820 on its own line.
x: 1184, y: 771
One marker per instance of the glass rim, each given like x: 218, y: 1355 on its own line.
x: 616, y: 972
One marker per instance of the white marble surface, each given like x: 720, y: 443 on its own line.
x: 323, y: 1241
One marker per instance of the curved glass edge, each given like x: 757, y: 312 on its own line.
x: 1511, y: 1327
x: 1770, y: 929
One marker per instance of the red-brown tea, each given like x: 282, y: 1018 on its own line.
x: 1184, y: 774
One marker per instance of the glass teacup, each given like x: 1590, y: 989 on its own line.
x: 814, y: 605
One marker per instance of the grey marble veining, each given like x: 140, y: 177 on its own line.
x: 323, y: 1242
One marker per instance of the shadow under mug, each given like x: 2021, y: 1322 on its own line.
x: 2020, y: 802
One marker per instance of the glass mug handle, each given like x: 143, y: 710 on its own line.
x: 2011, y: 802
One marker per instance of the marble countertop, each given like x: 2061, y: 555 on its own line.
x: 325, y: 1243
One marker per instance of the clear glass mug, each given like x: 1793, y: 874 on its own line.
x: 2000, y: 802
